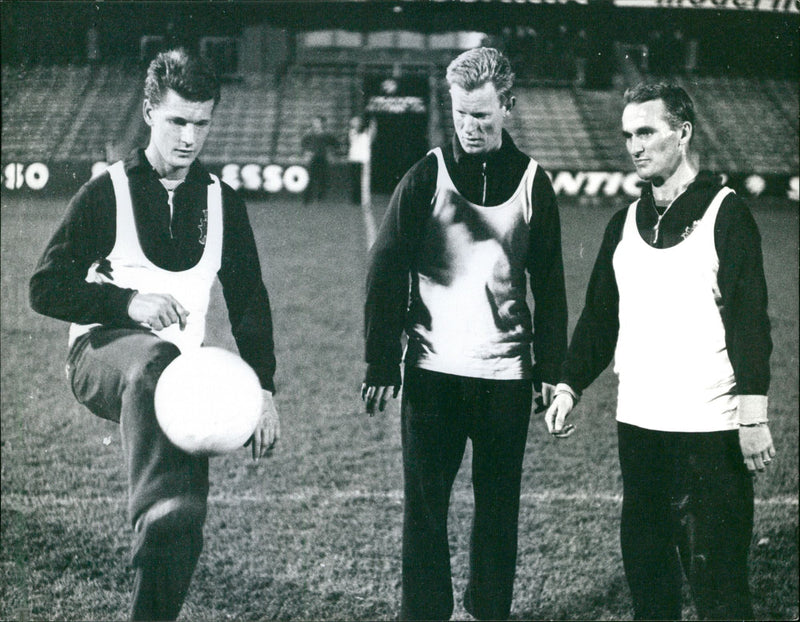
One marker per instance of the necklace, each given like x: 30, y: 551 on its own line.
x: 660, y: 217
x: 658, y: 222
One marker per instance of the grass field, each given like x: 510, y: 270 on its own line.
x: 313, y: 533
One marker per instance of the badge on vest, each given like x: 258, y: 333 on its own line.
x: 203, y: 226
x: 688, y: 231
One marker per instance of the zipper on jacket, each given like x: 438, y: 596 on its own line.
x: 170, y: 197
x: 484, y: 183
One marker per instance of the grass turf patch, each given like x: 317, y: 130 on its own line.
x: 313, y: 532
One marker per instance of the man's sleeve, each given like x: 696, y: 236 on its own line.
x: 388, y: 276
x: 546, y: 271
x: 244, y: 291
x: 595, y: 337
x: 743, y: 291
x: 58, y: 286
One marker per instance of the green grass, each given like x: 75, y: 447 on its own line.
x: 313, y: 533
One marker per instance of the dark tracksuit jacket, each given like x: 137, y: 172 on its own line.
x: 485, y: 180
x: 58, y: 287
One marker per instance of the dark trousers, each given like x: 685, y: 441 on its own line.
x: 318, y: 176
x: 439, y: 412
x: 355, y: 182
x: 687, y: 503
x: 113, y: 372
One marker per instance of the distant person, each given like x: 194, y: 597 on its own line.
x: 93, y: 45
x: 678, y: 298
x: 360, y: 135
x: 131, y: 267
x: 582, y: 51
x: 564, y: 62
x: 465, y: 228
x: 316, y: 147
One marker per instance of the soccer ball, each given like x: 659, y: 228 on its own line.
x: 208, y: 401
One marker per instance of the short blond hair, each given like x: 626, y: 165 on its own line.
x: 472, y: 69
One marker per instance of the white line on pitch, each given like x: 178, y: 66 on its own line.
x: 322, y: 496
x: 369, y: 223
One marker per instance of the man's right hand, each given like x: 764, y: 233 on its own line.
x: 157, y: 311
x: 377, y: 396
x: 556, y: 415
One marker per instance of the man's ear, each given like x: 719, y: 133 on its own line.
x: 510, y: 104
x: 687, y: 130
x: 147, y: 112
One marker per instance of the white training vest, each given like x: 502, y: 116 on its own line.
x: 671, y: 358
x: 468, y: 313
x: 131, y: 269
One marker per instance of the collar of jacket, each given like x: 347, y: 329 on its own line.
x: 506, y: 150
x: 137, y: 164
x: 706, y: 183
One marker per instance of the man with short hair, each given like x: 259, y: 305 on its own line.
x: 131, y: 267
x: 678, y: 297
x: 463, y: 227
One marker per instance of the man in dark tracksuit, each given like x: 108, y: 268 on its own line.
x: 463, y: 228
x: 131, y: 267
x: 678, y: 298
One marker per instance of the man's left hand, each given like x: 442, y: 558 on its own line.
x: 377, y: 396
x: 268, y: 430
x: 757, y: 448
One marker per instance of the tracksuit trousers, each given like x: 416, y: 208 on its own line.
x: 113, y: 372
x: 439, y: 412
x: 687, y: 503
x: 318, y: 180
x: 356, y: 173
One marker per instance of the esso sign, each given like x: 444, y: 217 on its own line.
x: 271, y: 178
x: 18, y: 176
x: 595, y: 183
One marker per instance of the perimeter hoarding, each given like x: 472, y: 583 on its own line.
x: 64, y: 179
x: 777, y: 6
x: 771, y: 6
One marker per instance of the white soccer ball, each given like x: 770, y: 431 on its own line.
x: 208, y: 401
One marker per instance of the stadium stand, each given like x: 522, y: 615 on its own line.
x: 248, y: 114
x: 68, y: 97
x: 547, y: 123
x: 785, y: 97
x: 601, y: 112
x: 69, y: 112
x: 40, y: 103
x: 748, y: 123
x: 109, y: 102
x: 307, y: 92
x: 443, y: 102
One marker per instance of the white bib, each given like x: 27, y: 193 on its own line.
x: 131, y: 269
x: 468, y: 293
x: 671, y: 358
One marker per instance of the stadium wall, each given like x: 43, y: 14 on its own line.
x: 64, y: 179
